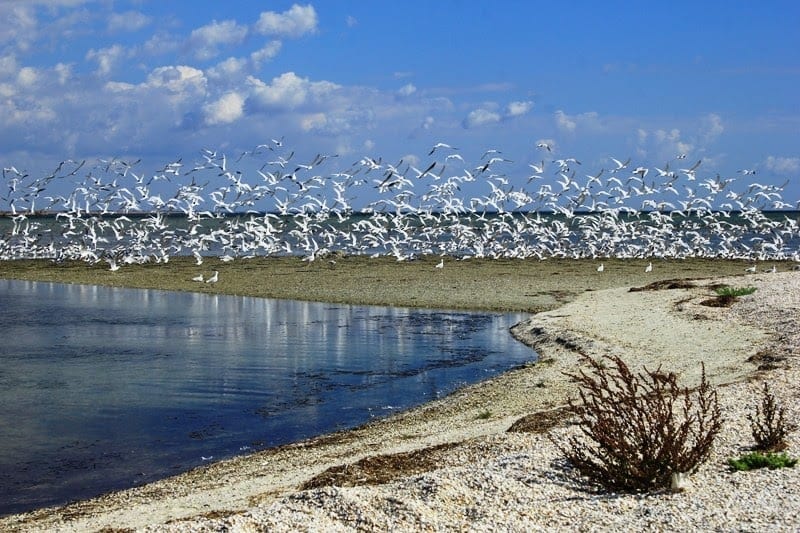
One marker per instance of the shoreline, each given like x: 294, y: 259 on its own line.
x: 595, y: 322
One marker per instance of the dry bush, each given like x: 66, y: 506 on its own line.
x: 768, y: 425
x: 639, y: 429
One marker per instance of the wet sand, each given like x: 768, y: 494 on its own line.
x: 579, y: 310
x: 481, y: 284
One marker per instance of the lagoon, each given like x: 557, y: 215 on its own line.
x: 106, y: 388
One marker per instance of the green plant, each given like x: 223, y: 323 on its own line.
x: 639, y: 429
x: 768, y: 424
x: 483, y: 415
x: 754, y: 460
x: 734, y: 292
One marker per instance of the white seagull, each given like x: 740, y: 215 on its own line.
x: 214, y: 278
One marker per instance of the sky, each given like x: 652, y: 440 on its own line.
x: 159, y: 80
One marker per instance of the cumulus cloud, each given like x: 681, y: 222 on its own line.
x: 406, y: 90
x: 517, y: 109
x: 480, y: 117
x: 179, y: 79
x: 231, y: 69
x: 570, y: 123
x: 27, y: 77
x: 713, y: 127
x: 19, y: 25
x: 564, y: 122
x: 265, y: 53
x: 782, y: 164
x: 206, y: 40
x: 106, y: 58
x: 227, y: 109
x: 670, y: 143
x: 127, y: 21
x: 288, y: 91
x: 8, y: 65
x: 294, y: 22
x: 63, y: 72
x: 160, y: 44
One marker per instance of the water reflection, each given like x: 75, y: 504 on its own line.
x: 104, y: 388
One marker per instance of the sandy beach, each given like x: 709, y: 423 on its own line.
x: 453, y: 464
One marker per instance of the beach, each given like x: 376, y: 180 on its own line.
x: 453, y: 464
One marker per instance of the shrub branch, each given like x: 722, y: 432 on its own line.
x: 636, y: 430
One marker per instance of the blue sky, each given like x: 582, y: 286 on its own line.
x: 716, y: 81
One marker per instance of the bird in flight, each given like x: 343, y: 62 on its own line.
x: 441, y: 145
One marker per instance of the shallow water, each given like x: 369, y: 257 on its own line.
x: 104, y: 388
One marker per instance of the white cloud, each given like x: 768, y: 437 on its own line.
x: 351, y: 21
x: 516, y: 109
x: 289, y: 91
x: 127, y: 21
x: 64, y: 72
x: 8, y: 65
x: 713, y: 127
x: 314, y: 121
x: 564, y: 122
x: 406, y: 90
x: 161, y: 44
x: 782, y: 164
x: 229, y: 108
x: 663, y: 144
x: 206, y: 40
x: 27, y: 77
x: 178, y: 79
x: 19, y: 25
x: 106, y: 58
x: 295, y: 22
x: 480, y: 117
x: 585, y: 121
x: 265, y: 53
x: 230, y: 69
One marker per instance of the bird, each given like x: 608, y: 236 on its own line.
x: 601, y: 267
x: 751, y: 269
x: 214, y: 277
x: 649, y: 267
x: 544, y: 145
x: 440, y: 264
x: 198, y: 278
x: 441, y: 145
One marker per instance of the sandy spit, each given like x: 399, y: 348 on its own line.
x: 667, y: 327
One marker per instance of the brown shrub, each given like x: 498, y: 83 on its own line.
x: 639, y: 429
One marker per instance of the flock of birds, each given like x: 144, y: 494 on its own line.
x: 266, y: 201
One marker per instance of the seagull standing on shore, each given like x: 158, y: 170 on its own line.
x: 214, y: 278
x: 649, y: 267
x: 601, y: 268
